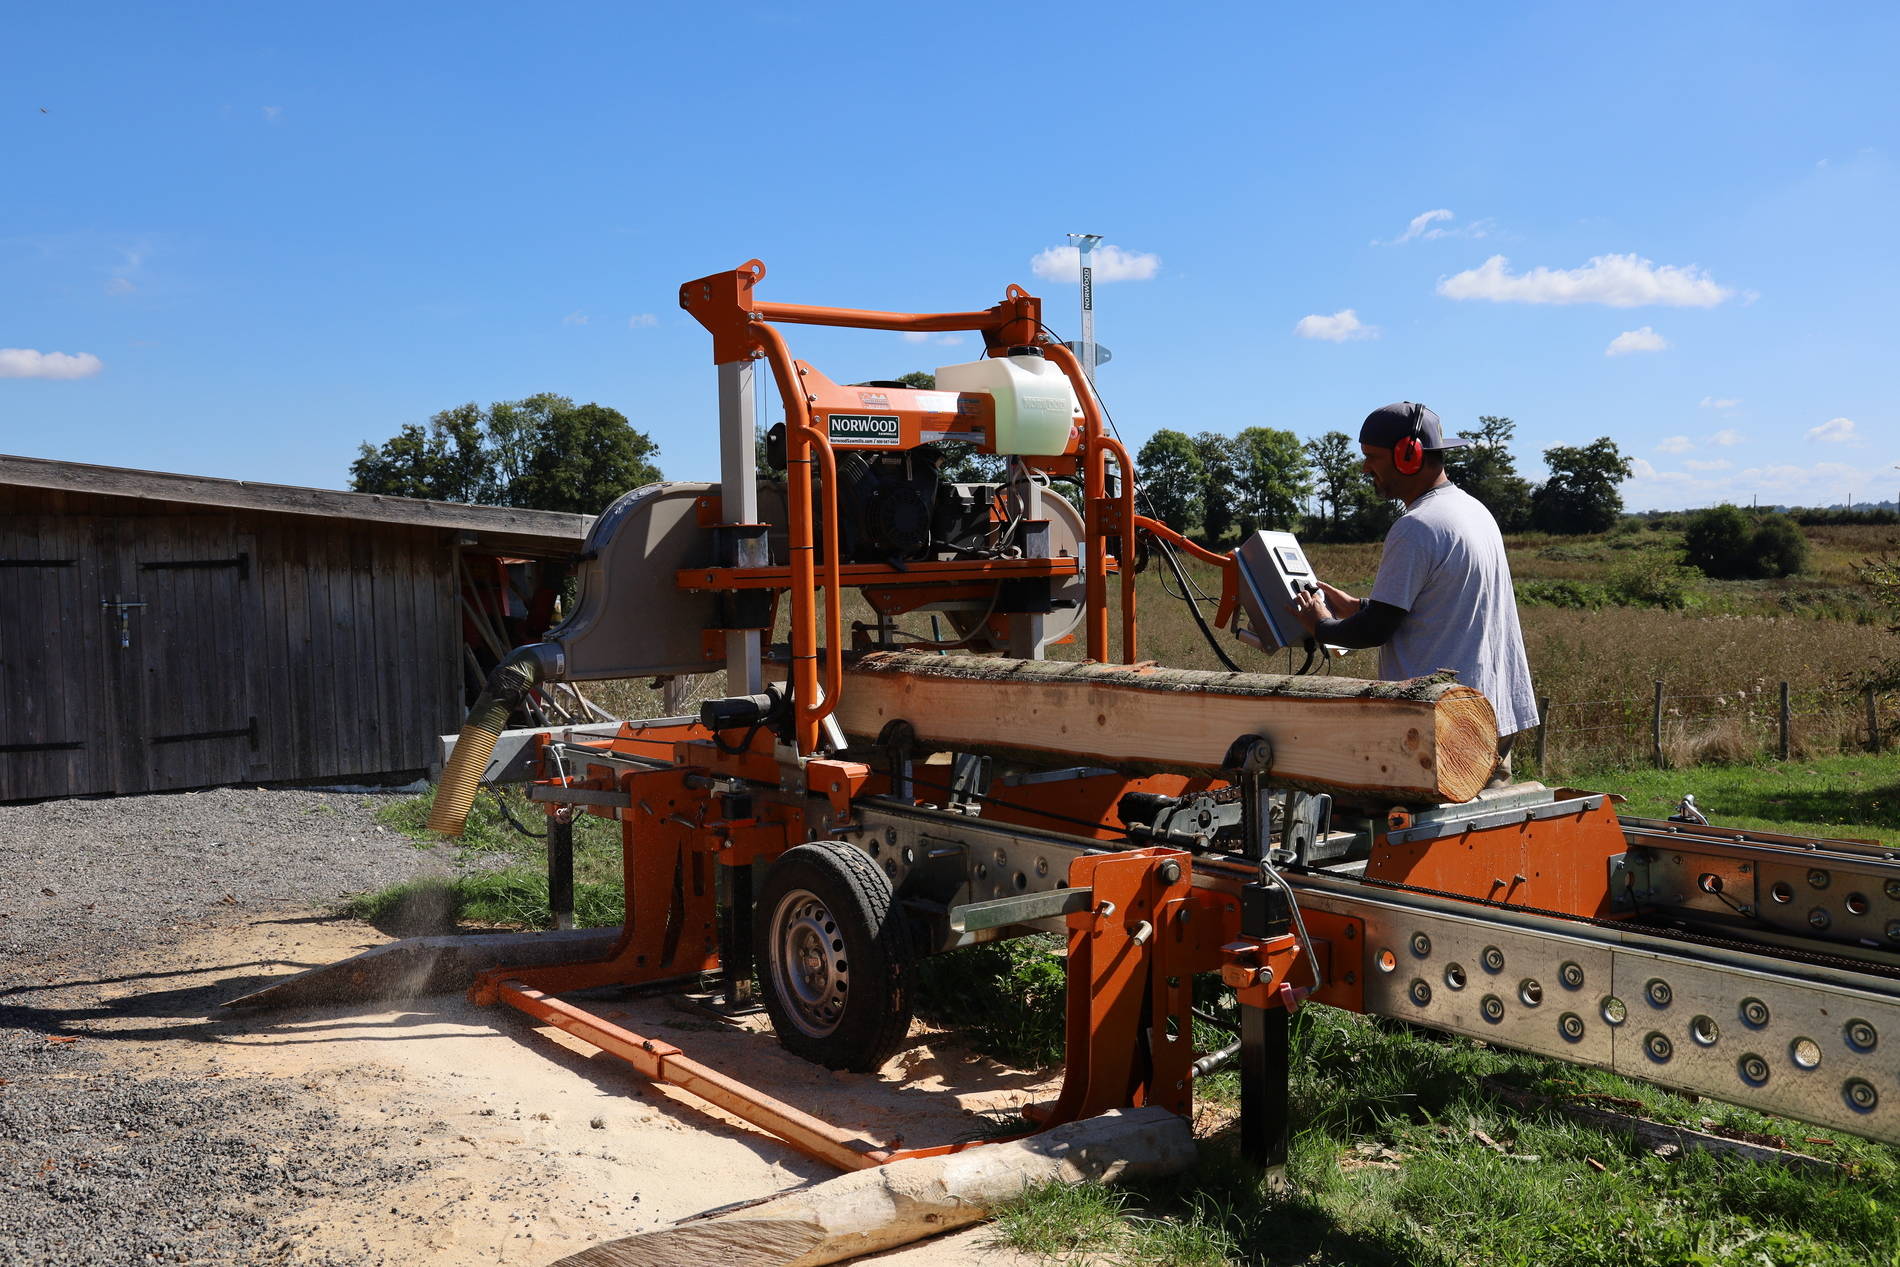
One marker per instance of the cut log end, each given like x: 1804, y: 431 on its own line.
x: 1467, y: 732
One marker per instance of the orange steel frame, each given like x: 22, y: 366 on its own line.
x: 742, y: 329
x: 1132, y: 955
x: 1126, y: 979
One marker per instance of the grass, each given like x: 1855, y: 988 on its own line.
x: 501, y: 875
x: 1406, y: 1155
x: 1847, y: 795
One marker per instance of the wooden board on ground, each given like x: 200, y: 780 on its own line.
x: 1424, y: 741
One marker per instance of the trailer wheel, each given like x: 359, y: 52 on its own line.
x: 833, y: 954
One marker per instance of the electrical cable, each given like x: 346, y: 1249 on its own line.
x: 1200, y: 618
x: 501, y: 803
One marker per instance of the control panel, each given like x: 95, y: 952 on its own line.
x: 1273, y: 571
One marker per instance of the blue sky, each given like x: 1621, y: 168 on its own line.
x: 239, y: 240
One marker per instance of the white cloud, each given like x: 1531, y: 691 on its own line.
x: 1618, y: 281
x: 575, y: 318
x: 925, y: 336
x: 1108, y: 264
x: 1421, y: 223
x: 1718, y: 402
x: 1675, y: 444
x: 1704, y: 484
x: 1726, y: 438
x: 1834, y: 431
x: 1425, y: 227
x: 1338, y: 328
x: 272, y: 114
x: 1708, y: 464
x: 642, y: 320
x: 120, y: 286
x: 27, y: 363
x: 1644, y: 340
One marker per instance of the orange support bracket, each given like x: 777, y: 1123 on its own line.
x: 1128, y: 1032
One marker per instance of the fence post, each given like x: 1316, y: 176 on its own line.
x: 1655, y: 727
x: 1543, y: 731
x: 1785, y: 719
x: 1873, y: 720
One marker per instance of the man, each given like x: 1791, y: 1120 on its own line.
x: 1443, y: 597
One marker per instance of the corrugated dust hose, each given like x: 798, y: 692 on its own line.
x: 507, y: 686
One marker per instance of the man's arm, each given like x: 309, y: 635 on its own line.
x: 1371, y: 626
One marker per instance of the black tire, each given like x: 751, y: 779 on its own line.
x: 833, y: 954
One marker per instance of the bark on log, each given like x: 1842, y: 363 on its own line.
x: 1423, y: 741
x: 878, y: 1209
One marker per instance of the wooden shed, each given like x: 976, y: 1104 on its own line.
x: 173, y: 631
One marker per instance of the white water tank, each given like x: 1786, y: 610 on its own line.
x: 1035, y: 403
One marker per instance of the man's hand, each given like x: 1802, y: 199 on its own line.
x: 1310, y: 607
x: 1339, y: 601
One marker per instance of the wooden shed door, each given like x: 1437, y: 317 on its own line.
x: 183, y: 646
x: 56, y: 735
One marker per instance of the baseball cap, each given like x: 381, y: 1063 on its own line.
x: 1389, y: 424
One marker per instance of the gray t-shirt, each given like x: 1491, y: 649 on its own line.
x: 1444, y: 565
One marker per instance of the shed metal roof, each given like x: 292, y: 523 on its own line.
x: 504, y: 527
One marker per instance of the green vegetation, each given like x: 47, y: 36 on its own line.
x: 1581, y: 494
x: 544, y: 451
x: 1411, y: 1149
x: 1852, y: 795
x: 1006, y: 996
x: 1728, y: 542
x: 501, y: 875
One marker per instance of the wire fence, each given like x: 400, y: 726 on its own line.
x: 1672, y: 729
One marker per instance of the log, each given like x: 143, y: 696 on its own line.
x: 887, y: 1206
x: 1420, y: 742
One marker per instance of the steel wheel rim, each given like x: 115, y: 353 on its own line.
x: 810, y: 972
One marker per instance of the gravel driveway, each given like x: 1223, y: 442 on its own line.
x: 101, y: 1163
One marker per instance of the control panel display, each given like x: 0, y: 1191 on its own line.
x: 1273, y: 571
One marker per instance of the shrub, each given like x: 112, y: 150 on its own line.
x: 1582, y: 595
x: 1726, y: 542
x: 1779, y: 548
x: 1652, y: 578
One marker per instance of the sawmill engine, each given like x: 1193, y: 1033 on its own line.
x: 896, y: 508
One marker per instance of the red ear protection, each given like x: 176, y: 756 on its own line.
x: 1408, y: 455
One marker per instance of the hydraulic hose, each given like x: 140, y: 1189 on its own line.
x: 509, y: 684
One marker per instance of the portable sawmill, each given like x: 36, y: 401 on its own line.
x: 862, y: 797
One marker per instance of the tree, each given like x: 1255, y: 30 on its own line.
x: 543, y: 452
x: 1365, y: 516
x: 1171, y: 478
x: 1219, y: 468
x: 1485, y: 469
x: 1580, y: 496
x: 1273, y: 478
x: 1336, y: 472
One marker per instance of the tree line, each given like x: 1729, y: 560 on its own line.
x: 1209, y: 485
x: 549, y: 453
